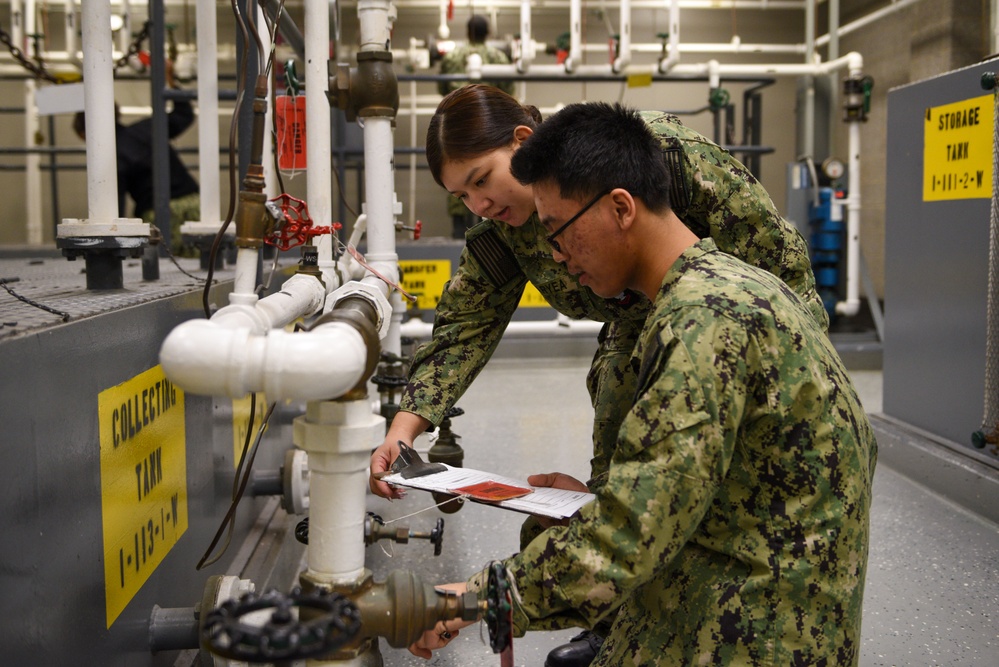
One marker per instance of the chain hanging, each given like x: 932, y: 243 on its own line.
x: 38, y: 69
x: 134, y: 47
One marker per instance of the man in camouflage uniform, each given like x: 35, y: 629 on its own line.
x: 454, y: 63
x: 716, y: 197
x: 732, y: 524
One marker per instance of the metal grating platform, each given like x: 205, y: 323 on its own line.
x: 60, y: 284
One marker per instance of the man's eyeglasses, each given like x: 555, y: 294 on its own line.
x: 551, y: 238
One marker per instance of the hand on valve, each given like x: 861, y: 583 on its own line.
x: 443, y: 632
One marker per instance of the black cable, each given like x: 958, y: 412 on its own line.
x: 233, y: 128
x: 229, y: 520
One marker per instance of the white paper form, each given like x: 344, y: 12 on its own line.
x: 544, y: 501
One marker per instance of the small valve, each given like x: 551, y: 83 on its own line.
x: 374, y: 530
x: 292, y: 224
x: 417, y: 229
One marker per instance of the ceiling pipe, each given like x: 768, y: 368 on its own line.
x: 866, y: 20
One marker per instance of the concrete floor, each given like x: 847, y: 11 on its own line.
x: 932, y: 594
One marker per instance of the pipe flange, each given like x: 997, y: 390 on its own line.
x: 371, y: 294
x: 295, y: 474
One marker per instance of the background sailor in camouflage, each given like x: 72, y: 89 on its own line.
x: 732, y: 527
x: 455, y: 62
x: 476, y: 130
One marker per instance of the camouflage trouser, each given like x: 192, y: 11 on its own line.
x: 182, y: 209
x: 611, y: 383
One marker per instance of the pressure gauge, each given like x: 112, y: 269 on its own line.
x: 833, y: 168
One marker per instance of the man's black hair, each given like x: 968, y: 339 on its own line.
x: 590, y: 147
x: 478, y: 29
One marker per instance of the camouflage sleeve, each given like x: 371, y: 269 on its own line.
x: 673, y: 452
x: 728, y: 203
x: 469, y: 322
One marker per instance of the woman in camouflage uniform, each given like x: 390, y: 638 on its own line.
x: 470, y: 141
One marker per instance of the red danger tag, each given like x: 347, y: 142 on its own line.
x: 290, y: 115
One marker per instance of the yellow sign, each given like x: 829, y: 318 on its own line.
x: 143, y: 481
x: 531, y: 298
x: 425, y: 279
x: 639, y: 80
x: 241, y: 423
x: 957, y: 150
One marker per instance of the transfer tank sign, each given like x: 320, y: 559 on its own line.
x: 425, y: 279
x: 957, y: 150
x: 143, y: 481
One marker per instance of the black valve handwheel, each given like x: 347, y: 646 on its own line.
x: 499, y: 608
x: 332, y: 621
x: 302, y: 531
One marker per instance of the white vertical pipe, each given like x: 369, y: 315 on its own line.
x: 413, y: 141
x: 270, y: 177
x: 17, y: 24
x: 338, y: 436
x: 379, y: 191
x: 244, y: 289
x: 851, y: 305
x: 125, y: 34
x: 379, y: 173
x: 833, y: 54
x: 208, y: 113
x: 318, y: 176
x: 375, y: 29
x: 69, y: 22
x: 526, y: 38
x: 672, y: 56
x: 575, y: 35
x: 33, y: 161
x: 624, y: 42
x: 98, y: 102
x: 808, y: 113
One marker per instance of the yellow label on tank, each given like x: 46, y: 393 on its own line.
x: 143, y: 481
x: 241, y: 423
x: 957, y: 150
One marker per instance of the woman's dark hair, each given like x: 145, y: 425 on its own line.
x: 474, y: 120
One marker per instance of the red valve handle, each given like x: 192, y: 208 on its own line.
x: 298, y: 227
